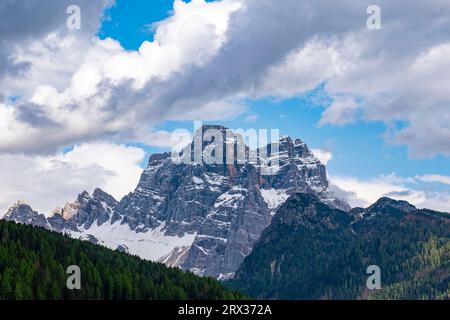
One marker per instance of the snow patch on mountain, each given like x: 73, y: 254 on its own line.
x: 150, y: 245
x: 231, y: 198
x: 274, y: 197
x: 201, y: 217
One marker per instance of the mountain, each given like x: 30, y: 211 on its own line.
x: 313, y: 251
x: 33, y: 264
x: 199, y: 215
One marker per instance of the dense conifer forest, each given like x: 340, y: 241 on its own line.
x: 33, y: 264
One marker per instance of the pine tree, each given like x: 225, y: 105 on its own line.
x: 33, y: 263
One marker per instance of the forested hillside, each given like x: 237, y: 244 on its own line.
x: 311, y: 251
x: 33, y: 265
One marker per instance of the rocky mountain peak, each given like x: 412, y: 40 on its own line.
x: 101, y: 195
x: 309, y: 240
x: 384, y: 204
x: 19, y: 206
x: 308, y: 210
x: 196, y: 215
x: 21, y: 212
x: 157, y: 158
x: 302, y: 200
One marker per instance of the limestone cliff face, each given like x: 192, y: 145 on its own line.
x: 200, y: 217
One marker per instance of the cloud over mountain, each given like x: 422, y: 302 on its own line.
x: 61, y: 87
x: 217, y: 53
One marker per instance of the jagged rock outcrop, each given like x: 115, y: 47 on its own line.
x: 22, y: 212
x: 84, y: 212
x: 313, y: 251
x: 202, y: 216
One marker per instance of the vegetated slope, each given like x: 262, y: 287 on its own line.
x: 33, y: 264
x: 312, y: 251
x: 202, y: 216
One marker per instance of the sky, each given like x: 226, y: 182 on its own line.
x: 84, y: 108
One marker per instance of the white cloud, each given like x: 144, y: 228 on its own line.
x: 49, y: 181
x: 364, y: 192
x: 31, y: 31
x: 211, y: 111
x: 203, y: 59
x: 252, y: 117
x: 64, y: 102
x: 300, y: 71
x: 434, y: 178
x: 437, y: 201
x: 52, y: 58
x: 343, y: 110
x: 123, y: 162
x: 210, y: 53
x: 390, y: 75
x: 324, y: 156
x: 174, y: 140
x: 407, y: 87
x: 194, y: 32
x: 369, y: 76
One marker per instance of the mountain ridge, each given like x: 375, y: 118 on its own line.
x: 312, y: 251
x: 198, y: 216
x: 33, y: 264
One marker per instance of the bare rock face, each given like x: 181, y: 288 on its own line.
x: 307, y: 241
x: 22, y: 212
x: 84, y: 212
x: 198, y: 216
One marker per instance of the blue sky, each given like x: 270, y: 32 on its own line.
x: 358, y: 149
x: 96, y: 101
x: 129, y: 21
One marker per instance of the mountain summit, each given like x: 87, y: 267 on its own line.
x: 313, y: 251
x: 197, y: 216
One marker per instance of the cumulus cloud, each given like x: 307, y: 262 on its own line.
x: 59, y: 87
x: 434, y: 178
x: 207, y: 55
x: 343, y: 110
x: 252, y: 117
x: 391, y: 75
x: 300, y: 71
x: 34, y: 38
x: 49, y: 181
x: 364, y: 192
x: 111, y: 81
x: 324, y: 156
x: 260, y: 35
x: 370, y: 75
